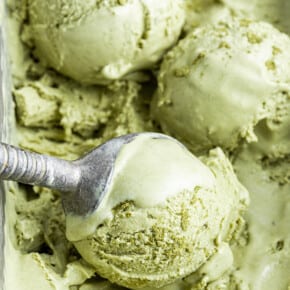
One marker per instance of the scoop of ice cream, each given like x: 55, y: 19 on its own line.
x: 97, y: 41
x: 165, y: 214
x: 274, y: 11
x: 218, y: 82
x: 200, y: 12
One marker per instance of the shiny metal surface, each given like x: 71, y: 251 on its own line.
x: 83, y: 182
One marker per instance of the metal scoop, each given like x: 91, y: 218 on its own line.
x: 83, y: 182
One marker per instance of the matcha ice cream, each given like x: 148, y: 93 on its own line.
x: 220, y: 81
x: 201, y: 12
x: 274, y: 134
x: 98, y: 41
x: 238, y: 69
x: 77, y: 110
x: 275, y: 12
x: 163, y: 220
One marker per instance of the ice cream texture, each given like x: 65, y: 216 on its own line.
x: 59, y: 116
x: 272, y: 11
x: 147, y: 171
x: 99, y: 41
x: 201, y: 12
x: 168, y: 216
x: 220, y: 81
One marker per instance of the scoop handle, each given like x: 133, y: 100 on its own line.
x: 37, y: 169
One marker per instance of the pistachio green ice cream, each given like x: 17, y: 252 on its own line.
x: 201, y: 12
x: 165, y: 214
x: 99, y: 41
x: 197, y: 230
x: 220, y: 81
x: 275, y: 12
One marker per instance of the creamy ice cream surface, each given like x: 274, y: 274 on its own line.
x: 147, y: 171
x: 188, y: 224
x: 275, y: 12
x: 220, y: 81
x: 166, y: 219
x: 99, y: 41
x: 200, y: 12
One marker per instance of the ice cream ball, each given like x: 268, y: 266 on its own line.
x: 275, y: 12
x: 220, y: 81
x: 165, y: 214
x: 95, y: 42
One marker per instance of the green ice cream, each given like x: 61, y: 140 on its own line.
x: 201, y: 12
x: 220, y: 81
x: 274, y: 134
x: 264, y: 263
x: 244, y: 65
x: 189, y: 181
x: 275, y: 12
x: 59, y: 117
x: 165, y: 215
x: 98, y: 42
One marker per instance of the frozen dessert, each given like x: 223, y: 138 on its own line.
x: 61, y: 115
x: 53, y: 102
x: 162, y: 220
x: 220, y: 81
x: 167, y: 169
x: 272, y: 11
x: 201, y: 12
x: 98, y: 41
x: 274, y: 134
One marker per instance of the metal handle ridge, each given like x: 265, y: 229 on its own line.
x: 37, y: 169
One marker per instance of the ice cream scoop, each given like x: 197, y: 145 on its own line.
x: 168, y: 221
x: 140, y: 208
x: 99, y: 42
x: 220, y: 81
x: 274, y: 12
x: 84, y: 181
